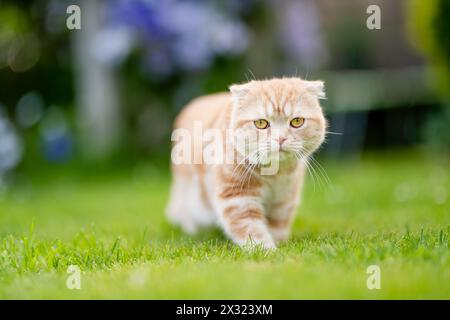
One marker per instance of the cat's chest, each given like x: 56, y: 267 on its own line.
x: 280, y: 188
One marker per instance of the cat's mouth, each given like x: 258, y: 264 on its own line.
x: 283, y: 149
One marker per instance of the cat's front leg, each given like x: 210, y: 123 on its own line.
x: 244, y: 221
x: 280, y: 221
x: 242, y: 214
x: 283, y: 205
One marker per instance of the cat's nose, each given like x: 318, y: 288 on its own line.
x: 281, y: 140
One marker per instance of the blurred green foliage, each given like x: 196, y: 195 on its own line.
x: 429, y: 25
x: 429, y: 29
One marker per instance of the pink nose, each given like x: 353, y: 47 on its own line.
x: 281, y: 140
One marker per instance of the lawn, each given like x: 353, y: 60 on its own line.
x: 389, y: 209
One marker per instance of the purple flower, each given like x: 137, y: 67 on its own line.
x: 176, y: 33
x: 301, y: 35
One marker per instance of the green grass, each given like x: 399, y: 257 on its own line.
x: 390, y: 209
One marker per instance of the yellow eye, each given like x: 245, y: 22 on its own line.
x: 297, y: 122
x: 261, y: 124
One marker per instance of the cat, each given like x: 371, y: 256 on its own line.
x: 253, y: 208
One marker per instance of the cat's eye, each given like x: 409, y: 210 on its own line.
x: 261, y: 124
x: 297, y: 122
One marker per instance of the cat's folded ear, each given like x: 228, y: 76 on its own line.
x: 239, y: 91
x: 316, y: 88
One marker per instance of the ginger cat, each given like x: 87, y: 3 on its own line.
x: 275, y: 123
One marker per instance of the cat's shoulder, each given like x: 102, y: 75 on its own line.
x: 213, y: 99
x: 206, y: 108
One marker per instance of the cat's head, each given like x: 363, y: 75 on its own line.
x: 278, y: 116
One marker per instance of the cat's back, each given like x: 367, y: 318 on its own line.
x: 207, y: 110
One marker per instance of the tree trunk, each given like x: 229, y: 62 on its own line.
x: 97, y: 96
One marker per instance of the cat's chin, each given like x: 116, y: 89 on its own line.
x: 286, y: 155
x: 283, y: 156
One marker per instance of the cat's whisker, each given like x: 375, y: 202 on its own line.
x: 304, y: 159
x: 311, y: 173
x: 252, y: 74
x: 332, y: 132
x: 247, y: 174
x: 247, y: 178
x: 243, y: 170
x: 241, y: 165
x: 321, y: 169
x: 251, y: 168
x: 239, y: 168
x: 319, y: 172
